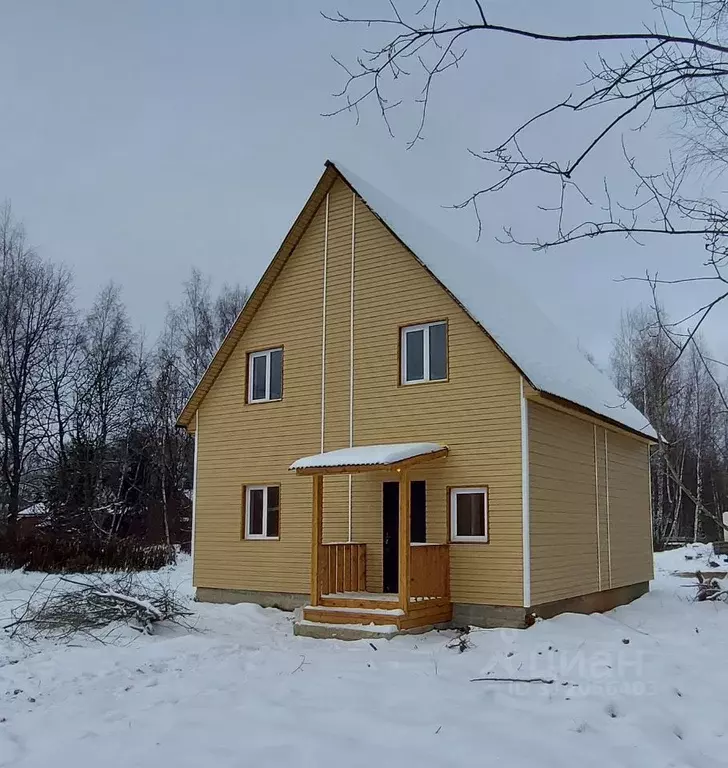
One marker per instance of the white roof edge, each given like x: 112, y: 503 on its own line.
x: 543, y: 353
x: 367, y: 455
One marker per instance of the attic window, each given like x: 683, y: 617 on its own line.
x: 424, y: 353
x: 265, y: 376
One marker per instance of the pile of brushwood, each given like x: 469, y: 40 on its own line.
x: 63, y: 607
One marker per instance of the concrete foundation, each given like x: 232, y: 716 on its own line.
x: 464, y: 614
x: 488, y: 616
x: 492, y: 616
x: 285, y: 601
x: 596, y: 602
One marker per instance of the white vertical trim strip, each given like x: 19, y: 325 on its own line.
x: 323, y: 326
x: 525, y: 502
x: 351, y: 323
x: 596, y: 499
x: 351, y: 351
x: 649, y: 491
x: 194, y: 493
x: 609, y: 527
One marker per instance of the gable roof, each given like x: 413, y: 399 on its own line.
x: 545, y: 356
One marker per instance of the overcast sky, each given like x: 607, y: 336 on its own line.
x: 138, y: 139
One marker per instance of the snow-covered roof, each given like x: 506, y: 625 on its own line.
x: 367, y: 456
x: 34, y: 510
x: 545, y: 355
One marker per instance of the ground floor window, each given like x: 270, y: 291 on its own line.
x: 469, y: 514
x: 262, y: 511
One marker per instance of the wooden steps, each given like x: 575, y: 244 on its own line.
x: 379, y: 602
x: 379, y: 611
x: 343, y: 615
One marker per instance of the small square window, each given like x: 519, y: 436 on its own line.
x: 424, y: 353
x: 469, y: 514
x: 262, y: 511
x: 265, y: 376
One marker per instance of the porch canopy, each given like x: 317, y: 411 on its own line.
x: 398, y: 457
x: 368, y: 458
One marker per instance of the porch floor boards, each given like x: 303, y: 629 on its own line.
x: 381, y: 596
x: 377, y: 601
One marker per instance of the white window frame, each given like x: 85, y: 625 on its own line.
x: 263, y: 535
x: 266, y: 353
x: 425, y: 328
x: 454, y: 493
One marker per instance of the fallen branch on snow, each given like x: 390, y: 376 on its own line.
x: 708, y: 588
x: 543, y: 680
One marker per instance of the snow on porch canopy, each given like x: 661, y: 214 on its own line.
x: 366, y: 458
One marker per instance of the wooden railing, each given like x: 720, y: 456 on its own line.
x: 342, y: 568
x: 429, y: 570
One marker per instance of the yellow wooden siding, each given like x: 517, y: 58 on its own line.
x: 600, y: 445
x: 629, y: 510
x: 476, y: 413
x: 575, y: 524
x: 336, y: 489
x: 562, y: 506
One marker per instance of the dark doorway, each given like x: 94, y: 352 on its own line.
x: 390, y: 528
x: 418, y: 512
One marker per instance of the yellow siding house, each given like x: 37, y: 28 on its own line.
x: 393, y: 435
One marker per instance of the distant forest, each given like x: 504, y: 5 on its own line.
x: 674, y: 380
x: 90, y: 451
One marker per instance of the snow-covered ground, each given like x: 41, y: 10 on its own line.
x: 693, y: 557
x: 644, y: 685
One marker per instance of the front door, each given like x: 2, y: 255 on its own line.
x: 390, y: 528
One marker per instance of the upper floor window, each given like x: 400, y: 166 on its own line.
x: 265, y: 376
x: 424, y: 352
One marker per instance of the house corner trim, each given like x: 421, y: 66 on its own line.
x: 525, y: 501
x: 194, y: 493
x: 323, y: 326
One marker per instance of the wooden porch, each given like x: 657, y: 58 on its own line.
x: 338, y: 570
x: 340, y: 595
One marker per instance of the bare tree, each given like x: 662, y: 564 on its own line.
x: 196, y: 326
x: 88, y: 416
x: 675, y: 67
x: 682, y: 398
x: 192, y: 324
x: 108, y: 384
x: 172, y: 448
x: 228, y: 304
x: 34, y: 302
